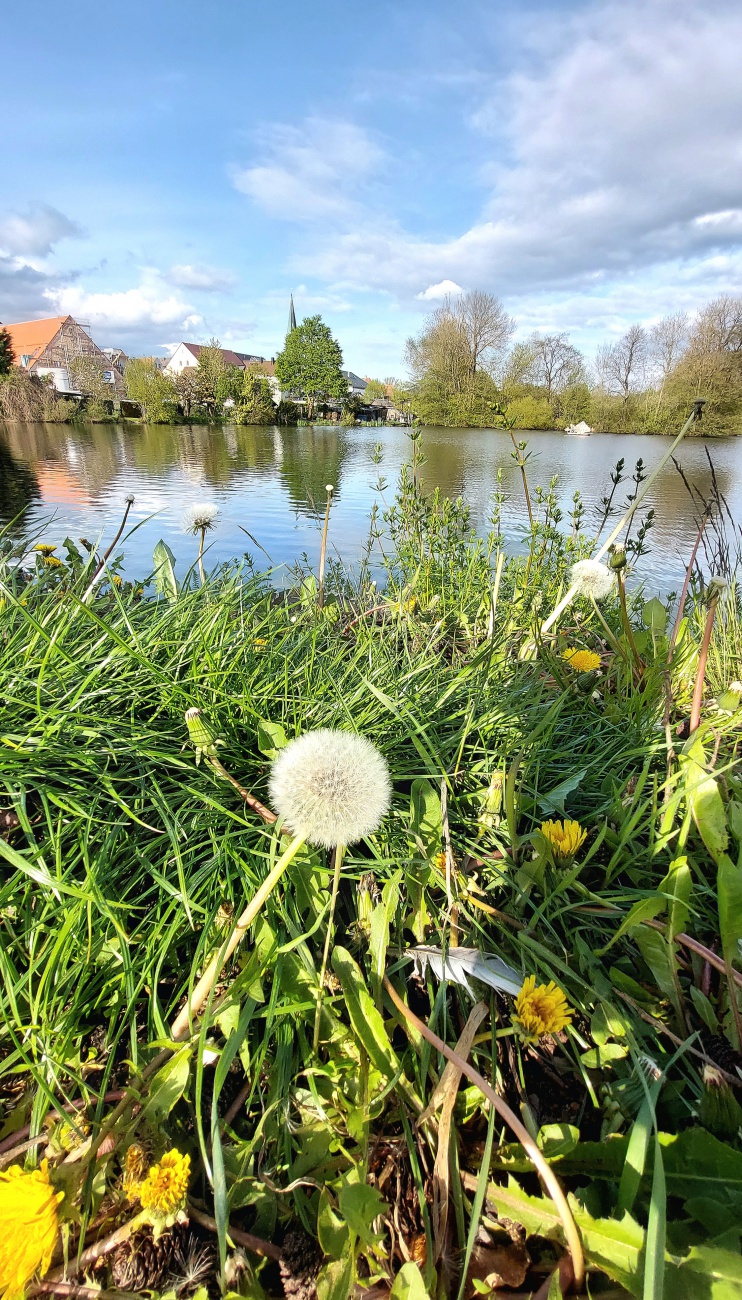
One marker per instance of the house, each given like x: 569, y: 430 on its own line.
x: 187, y: 354
x: 356, y: 385
x: 48, y: 348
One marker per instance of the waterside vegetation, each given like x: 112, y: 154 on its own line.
x: 480, y: 1031
x: 463, y: 371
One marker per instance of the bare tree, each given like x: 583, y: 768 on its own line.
x: 667, y: 342
x: 557, y: 364
x: 718, y: 326
x: 486, y: 325
x: 621, y: 366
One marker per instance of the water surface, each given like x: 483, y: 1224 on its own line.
x: 73, y: 480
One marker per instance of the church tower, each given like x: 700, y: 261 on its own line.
x: 292, y: 317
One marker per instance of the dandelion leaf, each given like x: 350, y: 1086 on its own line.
x: 164, y: 571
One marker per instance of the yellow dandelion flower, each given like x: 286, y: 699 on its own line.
x: 29, y: 1227
x: 44, y: 548
x: 116, y: 581
x: 259, y: 643
x: 52, y: 562
x: 164, y: 1189
x: 540, y: 1009
x: 583, y: 661
x: 135, y: 1167
x: 565, y: 838
x: 439, y: 861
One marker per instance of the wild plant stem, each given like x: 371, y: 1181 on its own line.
x: 102, y: 563
x: 695, y: 708
x: 522, y: 467
x: 626, y: 621
x: 339, y: 851
x: 211, y: 974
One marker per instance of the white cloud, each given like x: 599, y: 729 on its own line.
x: 35, y: 232
x: 208, y: 279
x: 128, y: 310
x: 309, y: 173
x: 623, y: 135
x: 442, y: 290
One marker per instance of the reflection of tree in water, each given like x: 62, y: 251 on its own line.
x: 311, y: 458
x: 18, y: 485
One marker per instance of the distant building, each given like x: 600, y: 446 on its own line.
x: 187, y: 354
x: 48, y: 348
x: 356, y: 385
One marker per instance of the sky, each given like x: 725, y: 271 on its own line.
x: 175, y: 170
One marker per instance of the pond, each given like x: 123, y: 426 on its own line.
x: 73, y: 480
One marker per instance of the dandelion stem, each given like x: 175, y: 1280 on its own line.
x: 503, y: 1110
x: 102, y: 563
x: 211, y: 974
x: 339, y: 850
x: 202, y: 539
x: 323, y: 550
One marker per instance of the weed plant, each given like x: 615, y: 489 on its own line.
x: 125, y: 861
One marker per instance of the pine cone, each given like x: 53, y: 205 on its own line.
x: 143, y: 1264
x: 300, y: 1264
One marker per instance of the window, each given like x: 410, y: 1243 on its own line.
x: 25, y: 358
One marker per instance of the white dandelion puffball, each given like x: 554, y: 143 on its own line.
x: 329, y: 487
x: 593, y: 579
x: 200, y: 516
x: 330, y: 786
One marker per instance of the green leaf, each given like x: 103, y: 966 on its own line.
x: 164, y: 571
x: 644, y: 910
x: 704, y: 1009
x: 659, y: 957
x: 636, y: 1156
x: 333, y: 1233
x: 360, y: 1205
x: 654, y: 615
x: 426, y: 820
x: 381, y: 919
x: 409, y: 1284
x: 168, y: 1086
x: 335, y: 1281
x: 271, y: 737
x: 707, y: 806
x: 607, y: 1022
x: 557, y: 1139
x: 599, y: 1058
x: 729, y: 891
x: 615, y: 1245
x: 654, y: 1261
x: 708, y: 1273
x: 553, y: 801
x: 365, y: 1018
x: 677, y: 885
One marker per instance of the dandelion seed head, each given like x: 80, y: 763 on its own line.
x: 129, y: 499
x: 329, y: 487
x: 200, y: 516
x: 330, y: 786
x: 592, y: 579
x: 716, y: 586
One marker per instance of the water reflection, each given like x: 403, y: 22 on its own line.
x: 267, y: 480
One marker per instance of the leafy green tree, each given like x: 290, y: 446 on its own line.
x: 86, y: 373
x: 374, y: 388
x: 255, y: 404
x: 7, y: 355
x: 154, y: 391
x: 453, y: 359
x: 310, y: 363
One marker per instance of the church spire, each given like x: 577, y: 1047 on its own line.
x: 292, y: 316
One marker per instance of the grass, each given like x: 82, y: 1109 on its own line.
x: 125, y: 862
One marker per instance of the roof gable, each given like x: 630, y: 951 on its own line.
x: 30, y: 338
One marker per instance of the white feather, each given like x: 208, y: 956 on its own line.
x: 461, y: 963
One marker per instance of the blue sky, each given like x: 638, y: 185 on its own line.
x: 175, y: 170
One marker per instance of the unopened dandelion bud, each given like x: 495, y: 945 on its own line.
x: 617, y: 559
x: 719, y: 1111
x: 331, y: 787
x: 200, y: 736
